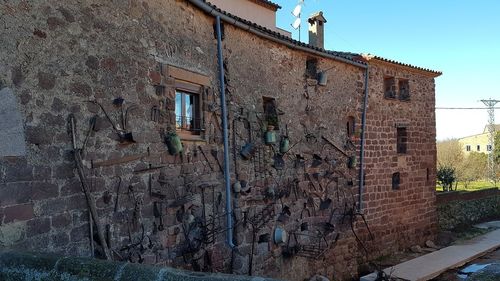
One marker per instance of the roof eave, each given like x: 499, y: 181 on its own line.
x: 267, y: 4
x: 421, y: 70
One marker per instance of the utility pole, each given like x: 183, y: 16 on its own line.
x: 491, y: 136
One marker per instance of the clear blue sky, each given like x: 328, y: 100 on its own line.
x: 461, y: 38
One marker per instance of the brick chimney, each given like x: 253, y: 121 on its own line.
x: 317, y: 30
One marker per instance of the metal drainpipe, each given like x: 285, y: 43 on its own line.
x: 362, y: 149
x: 227, y: 178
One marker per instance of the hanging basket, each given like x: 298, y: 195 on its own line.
x: 284, y: 145
x: 174, y: 143
x: 270, y: 137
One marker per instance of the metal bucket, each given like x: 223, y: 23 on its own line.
x: 322, y: 78
x: 174, y: 143
x: 270, y: 137
x: 284, y: 145
x: 247, y: 151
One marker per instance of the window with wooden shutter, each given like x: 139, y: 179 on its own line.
x: 402, y: 140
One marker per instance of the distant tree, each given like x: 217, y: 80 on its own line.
x: 496, y: 158
x: 446, y: 177
x: 473, y: 168
x: 450, y: 155
x: 496, y: 150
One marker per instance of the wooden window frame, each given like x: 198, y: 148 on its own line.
x: 190, y: 83
x: 404, y: 89
x: 312, y: 68
x: 390, y: 87
x: 396, y: 181
x: 401, y: 140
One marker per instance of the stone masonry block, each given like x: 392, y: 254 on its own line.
x: 61, y: 220
x: 14, y: 193
x: 11, y: 125
x: 37, y: 226
x: 21, y: 212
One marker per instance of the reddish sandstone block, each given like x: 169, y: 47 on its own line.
x: 155, y: 77
x: 43, y: 190
x: 38, y: 226
x: 61, y: 220
x: 21, y: 212
x: 14, y: 193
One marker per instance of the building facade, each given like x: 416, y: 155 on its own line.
x: 113, y: 116
x: 477, y: 143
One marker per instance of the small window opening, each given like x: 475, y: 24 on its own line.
x: 478, y: 147
x: 311, y: 68
x: 468, y: 148
x: 187, y: 112
x: 389, y: 88
x: 428, y: 174
x: 271, y: 112
x: 402, y: 140
x: 488, y: 147
x: 404, y: 90
x: 350, y: 126
x: 396, y: 180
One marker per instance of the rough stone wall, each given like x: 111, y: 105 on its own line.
x: 57, y: 58
x: 405, y: 216
x: 20, y: 266
x: 460, y: 210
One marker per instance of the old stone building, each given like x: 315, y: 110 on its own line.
x: 115, y: 107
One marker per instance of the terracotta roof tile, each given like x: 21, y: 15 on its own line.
x: 408, y: 65
x: 267, y: 2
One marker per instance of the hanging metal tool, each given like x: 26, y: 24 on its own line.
x: 124, y: 136
x: 118, y: 193
x: 121, y: 160
x: 158, y: 213
x: 206, y: 158
x: 215, y: 155
x: 88, y: 196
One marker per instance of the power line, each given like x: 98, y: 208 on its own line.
x: 466, y: 108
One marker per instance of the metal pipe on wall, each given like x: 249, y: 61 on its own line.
x: 363, y: 138
x: 227, y: 176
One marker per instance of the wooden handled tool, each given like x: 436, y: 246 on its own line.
x: 121, y: 160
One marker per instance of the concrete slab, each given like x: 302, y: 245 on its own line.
x: 488, y: 225
x: 431, y: 265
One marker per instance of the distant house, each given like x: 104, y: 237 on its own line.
x: 477, y: 143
